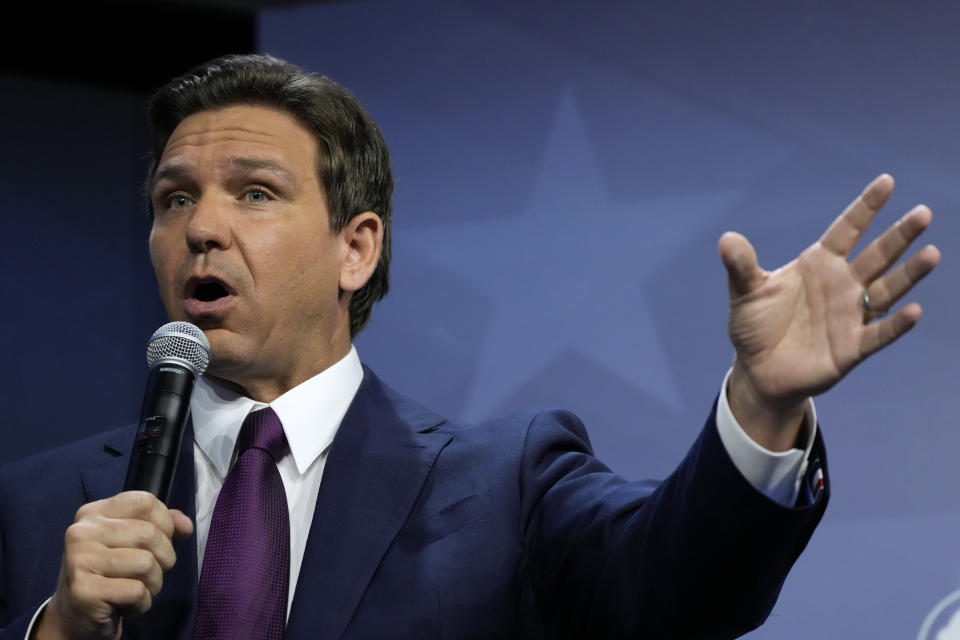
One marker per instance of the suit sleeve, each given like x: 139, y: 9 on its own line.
x: 17, y: 629
x: 702, y: 554
x: 35, y: 510
x: 11, y: 629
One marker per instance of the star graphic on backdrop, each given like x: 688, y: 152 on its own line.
x: 550, y: 270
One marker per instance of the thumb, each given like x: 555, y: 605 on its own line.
x: 183, y: 526
x: 740, y: 259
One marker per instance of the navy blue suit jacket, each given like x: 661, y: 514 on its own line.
x: 426, y: 528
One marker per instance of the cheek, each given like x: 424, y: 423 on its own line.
x: 156, y: 255
x: 163, y: 261
x: 311, y: 275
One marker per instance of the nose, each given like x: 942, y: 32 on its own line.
x: 209, y: 226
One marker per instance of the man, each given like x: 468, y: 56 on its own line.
x: 270, y: 192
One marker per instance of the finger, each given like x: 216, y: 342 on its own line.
x: 888, y: 247
x: 132, y: 505
x: 113, y: 533
x: 92, y: 556
x: 844, y: 233
x: 126, y: 594
x: 879, y: 334
x: 885, y: 292
x: 183, y: 525
x: 130, y: 597
x: 740, y: 259
x: 136, y: 564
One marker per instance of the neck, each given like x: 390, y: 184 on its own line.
x: 269, y: 387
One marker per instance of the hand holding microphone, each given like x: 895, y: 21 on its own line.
x: 118, y: 549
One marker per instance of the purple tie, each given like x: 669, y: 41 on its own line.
x: 246, y: 565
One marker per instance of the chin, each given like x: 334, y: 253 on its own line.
x: 229, y: 353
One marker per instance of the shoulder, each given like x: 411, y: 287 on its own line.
x: 515, y: 439
x: 534, y: 425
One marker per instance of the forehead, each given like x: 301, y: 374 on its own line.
x: 242, y: 131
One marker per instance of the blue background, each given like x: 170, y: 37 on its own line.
x: 564, y: 171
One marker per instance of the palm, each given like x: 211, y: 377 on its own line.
x: 798, y: 330
x: 789, y: 325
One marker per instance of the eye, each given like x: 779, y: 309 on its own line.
x: 257, y: 196
x: 173, y: 202
x: 177, y: 202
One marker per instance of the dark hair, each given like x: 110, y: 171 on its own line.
x: 354, y: 164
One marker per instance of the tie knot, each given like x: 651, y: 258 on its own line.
x: 262, y: 429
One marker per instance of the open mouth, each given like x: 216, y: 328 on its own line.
x: 206, y: 289
x: 209, y: 291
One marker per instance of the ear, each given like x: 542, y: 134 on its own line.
x: 361, y: 240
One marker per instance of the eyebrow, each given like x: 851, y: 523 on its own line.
x: 168, y: 172
x: 178, y: 172
x: 261, y: 164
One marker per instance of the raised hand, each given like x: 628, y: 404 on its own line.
x: 798, y: 330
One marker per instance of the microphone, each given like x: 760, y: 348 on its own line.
x: 177, y: 353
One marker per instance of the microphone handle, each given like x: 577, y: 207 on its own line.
x: 163, y: 417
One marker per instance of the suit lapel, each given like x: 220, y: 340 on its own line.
x: 105, y: 478
x: 173, y: 609
x: 378, y: 462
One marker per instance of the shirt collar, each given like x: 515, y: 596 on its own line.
x: 311, y: 413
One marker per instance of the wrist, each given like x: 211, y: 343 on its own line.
x: 45, y: 627
x: 774, y: 425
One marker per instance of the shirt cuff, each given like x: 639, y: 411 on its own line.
x: 775, y: 474
x: 36, y: 616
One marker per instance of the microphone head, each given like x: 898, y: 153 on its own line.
x: 179, y: 342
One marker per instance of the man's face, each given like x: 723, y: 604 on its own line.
x: 242, y: 247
